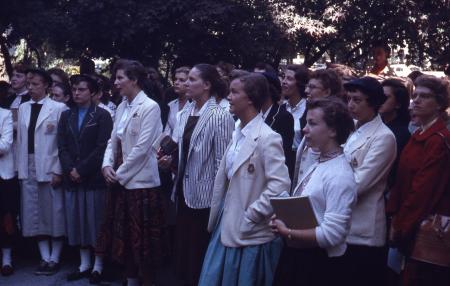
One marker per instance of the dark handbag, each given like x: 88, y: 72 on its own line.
x: 168, y: 146
x: 432, y: 243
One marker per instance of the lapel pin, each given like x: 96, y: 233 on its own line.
x: 251, y: 168
x: 135, y: 115
x: 50, y: 127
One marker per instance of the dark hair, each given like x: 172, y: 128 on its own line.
x: 302, y: 75
x: 234, y: 74
x: 274, y: 86
x: 91, y: 82
x: 383, y: 45
x: 4, y: 92
x: 20, y: 67
x: 439, y: 87
x: 64, y: 87
x: 210, y: 74
x: 59, y: 73
x: 134, y: 70
x: 402, y: 97
x: 265, y: 66
x: 329, y: 79
x: 371, y: 88
x: 335, y: 115
x: 225, y: 67
x: 256, y: 88
x: 414, y: 75
x: 182, y: 70
x: 46, y: 78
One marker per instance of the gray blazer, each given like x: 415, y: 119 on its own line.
x: 209, y: 141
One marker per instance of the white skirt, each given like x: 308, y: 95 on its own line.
x: 42, y: 207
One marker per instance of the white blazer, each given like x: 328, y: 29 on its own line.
x: 143, y: 126
x: 45, y: 140
x: 6, y: 141
x: 371, y: 156
x: 258, y: 174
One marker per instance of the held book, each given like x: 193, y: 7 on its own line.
x: 295, y: 212
x: 165, y: 144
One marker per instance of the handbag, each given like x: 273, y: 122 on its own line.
x: 432, y: 242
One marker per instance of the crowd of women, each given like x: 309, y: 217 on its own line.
x: 189, y: 173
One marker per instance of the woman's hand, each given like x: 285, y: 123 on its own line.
x: 278, y: 226
x: 109, y: 174
x: 165, y: 162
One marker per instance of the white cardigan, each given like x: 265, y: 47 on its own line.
x: 332, y: 191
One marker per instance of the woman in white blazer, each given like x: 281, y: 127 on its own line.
x: 251, y: 172
x: 330, y: 187
x: 371, y: 151
x: 8, y: 206
x: 130, y: 167
x: 42, y: 206
x: 204, y: 130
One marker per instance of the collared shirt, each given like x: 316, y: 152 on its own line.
x: 357, y: 134
x: 265, y: 114
x: 38, y: 102
x: 123, y: 119
x: 297, y: 112
x: 174, y: 110
x: 239, y: 134
x: 15, y: 104
x: 201, y: 111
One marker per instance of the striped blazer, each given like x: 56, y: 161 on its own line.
x: 209, y: 141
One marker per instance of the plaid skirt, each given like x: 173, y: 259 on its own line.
x: 133, y: 226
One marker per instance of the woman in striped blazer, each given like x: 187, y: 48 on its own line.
x: 204, y: 133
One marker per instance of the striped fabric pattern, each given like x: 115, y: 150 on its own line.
x: 209, y: 141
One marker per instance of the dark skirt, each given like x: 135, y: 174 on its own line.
x: 133, y: 228
x: 191, y: 241
x: 9, y: 208
x: 418, y: 273
x: 304, y: 267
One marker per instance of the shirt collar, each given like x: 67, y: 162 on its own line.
x: 250, y: 126
x: 38, y: 102
x: 201, y: 111
x: 265, y: 114
x: 22, y: 93
x: 368, y: 125
x: 302, y: 101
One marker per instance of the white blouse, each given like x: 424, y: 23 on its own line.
x: 331, y: 189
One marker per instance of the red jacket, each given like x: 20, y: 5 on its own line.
x: 422, y: 184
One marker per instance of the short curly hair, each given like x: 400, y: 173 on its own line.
x: 439, y: 87
x: 335, y: 115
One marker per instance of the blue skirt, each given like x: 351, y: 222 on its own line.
x: 240, y: 266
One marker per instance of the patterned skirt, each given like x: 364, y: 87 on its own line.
x: 133, y: 227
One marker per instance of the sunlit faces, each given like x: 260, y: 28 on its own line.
x: 196, y: 87
x: 36, y: 86
x: 124, y: 85
x: 359, y: 106
x: 58, y: 94
x: 317, y: 133
x: 424, y: 104
x: 18, y: 81
x: 81, y: 94
x: 314, y: 89
x: 289, y: 84
x: 390, y: 105
x: 179, y: 84
x: 239, y: 101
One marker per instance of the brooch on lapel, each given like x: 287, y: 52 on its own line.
x: 135, y: 115
x: 354, y: 163
x: 251, y: 168
x: 50, y: 127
